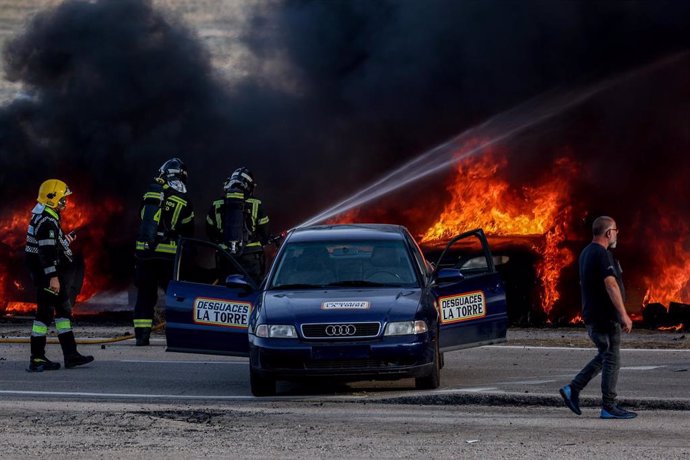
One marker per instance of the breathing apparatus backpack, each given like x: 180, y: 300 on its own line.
x: 235, y: 232
x: 149, y: 233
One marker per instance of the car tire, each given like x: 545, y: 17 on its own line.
x: 261, y: 386
x: 433, y: 379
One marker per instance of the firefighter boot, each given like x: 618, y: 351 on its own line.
x: 39, y: 362
x: 142, y: 335
x: 69, y: 350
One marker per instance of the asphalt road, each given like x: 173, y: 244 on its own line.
x: 495, y: 402
x: 651, y: 378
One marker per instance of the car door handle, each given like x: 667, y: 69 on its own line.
x: 179, y: 298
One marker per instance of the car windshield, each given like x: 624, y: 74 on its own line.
x: 344, y: 264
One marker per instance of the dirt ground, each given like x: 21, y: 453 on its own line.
x: 77, y: 430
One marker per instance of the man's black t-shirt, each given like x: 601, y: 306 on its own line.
x: 597, y: 263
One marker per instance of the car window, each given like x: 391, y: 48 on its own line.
x: 345, y: 264
x: 466, y: 255
x: 423, y: 265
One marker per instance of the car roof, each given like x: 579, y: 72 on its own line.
x: 347, y: 232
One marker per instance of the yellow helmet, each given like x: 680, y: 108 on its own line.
x: 52, y: 191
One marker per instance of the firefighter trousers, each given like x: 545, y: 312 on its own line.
x: 149, y: 275
x: 49, y: 306
x: 253, y: 264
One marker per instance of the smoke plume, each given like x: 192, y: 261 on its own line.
x: 332, y: 94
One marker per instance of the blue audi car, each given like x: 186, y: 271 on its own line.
x: 347, y: 302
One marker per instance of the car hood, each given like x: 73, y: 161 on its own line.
x: 333, y: 305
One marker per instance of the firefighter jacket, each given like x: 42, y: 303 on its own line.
x: 166, y: 215
x: 47, y: 250
x: 255, y: 222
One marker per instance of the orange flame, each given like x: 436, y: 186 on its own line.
x: 636, y: 317
x: 577, y: 320
x: 676, y: 328
x: 669, y: 280
x: 20, y: 308
x: 537, y: 215
x: 481, y: 196
x: 92, y: 215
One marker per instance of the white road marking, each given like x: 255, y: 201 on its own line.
x: 640, y: 368
x: 120, y: 395
x: 457, y: 390
x: 526, y: 382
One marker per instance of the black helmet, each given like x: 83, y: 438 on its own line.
x: 173, y: 169
x: 241, y: 179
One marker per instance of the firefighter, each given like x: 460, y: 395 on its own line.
x: 51, y: 264
x: 166, y: 215
x: 237, y: 222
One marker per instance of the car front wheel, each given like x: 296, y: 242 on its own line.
x: 433, y: 379
x: 261, y: 386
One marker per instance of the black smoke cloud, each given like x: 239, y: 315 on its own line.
x: 117, y: 86
x: 382, y: 81
x: 113, y: 88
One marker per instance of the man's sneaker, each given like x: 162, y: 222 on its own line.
x: 77, y: 360
x: 616, y: 412
x: 571, y: 398
x: 42, y: 364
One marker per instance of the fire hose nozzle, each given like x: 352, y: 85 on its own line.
x: 277, y: 239
x: 79, y: 229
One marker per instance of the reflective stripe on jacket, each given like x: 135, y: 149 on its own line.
x: 47, y: 248
x: 174, y: 218
x: 256, y: 221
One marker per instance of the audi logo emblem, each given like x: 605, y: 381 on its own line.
x: 340, y: 330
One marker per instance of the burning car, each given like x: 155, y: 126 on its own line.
x: 348, y: 302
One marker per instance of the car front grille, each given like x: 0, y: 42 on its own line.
x: 347, y: 364
x: 287, y: 363
x: 340, y: 331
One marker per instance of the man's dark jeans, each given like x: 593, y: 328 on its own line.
x: 608, y: 361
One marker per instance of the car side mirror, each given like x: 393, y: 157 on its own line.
x: 448, y: 275
x: 239, y: 281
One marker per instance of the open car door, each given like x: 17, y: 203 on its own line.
x: 206, y: 311
x: 469, y: 293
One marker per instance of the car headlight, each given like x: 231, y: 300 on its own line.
x: 276, y: 331
x: 406, y: 328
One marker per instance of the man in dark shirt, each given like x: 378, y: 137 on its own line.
x: 604, y: 313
